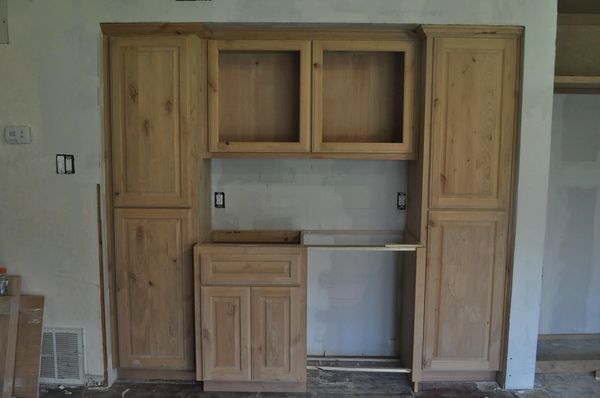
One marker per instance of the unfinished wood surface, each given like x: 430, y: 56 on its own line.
x: 278, y: 334
x: 252, y: 236
x: 259, y: 95
x: 568, y: 366
x: 464, y: 298
x: 473, y: 122
x: 226, y: 333
x: 29, y: 346
x: 153, y: 266
x: 150, y: 84
x: 363, y: 96
x: 577, y: 48
x: 577, y: 84
x: 231, y: 264
x: 9, y: 321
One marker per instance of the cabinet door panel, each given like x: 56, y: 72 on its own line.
x: 278, y: 334
x: 464, y: 304
x: 154, y: 288
x: 149, y: 84
x: 473, y: 122
x: 226, y: 333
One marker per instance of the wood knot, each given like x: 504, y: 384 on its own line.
x: 133, y: 93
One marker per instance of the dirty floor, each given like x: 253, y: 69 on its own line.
x: 350, y: 384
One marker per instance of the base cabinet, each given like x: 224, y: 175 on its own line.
x: 252, y: 336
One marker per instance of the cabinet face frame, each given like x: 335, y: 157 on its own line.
x: 500, y: 166
x: 437, y: 278
x: 181, y: 195
x: 125, y: 277
x: 300, y: 46
x: 408, y: 47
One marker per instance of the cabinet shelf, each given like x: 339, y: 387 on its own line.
x: 577, y: 84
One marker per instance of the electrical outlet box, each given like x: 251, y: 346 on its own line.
x: 65, y: 164
x: 219, y: 200
x: 17, y: 135
x: 401, y: 201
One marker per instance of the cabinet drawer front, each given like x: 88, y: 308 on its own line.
x: 255, y: 269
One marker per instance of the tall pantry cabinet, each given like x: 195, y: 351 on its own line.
x: 471, y: 98
x: 156, y: 95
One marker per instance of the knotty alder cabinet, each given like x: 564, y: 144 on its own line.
x: 252, y: 318
x: 470, y: 120
x: 361, y: 96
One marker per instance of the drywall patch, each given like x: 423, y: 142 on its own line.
x: 3, y: 21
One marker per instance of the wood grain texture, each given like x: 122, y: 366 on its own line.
x: 150, y: 121
x: 241, y: 264
x: 9, y: 322
x: 259, y: 95
x: 154, y: 288
x: 278, y: 334
x: 363, y: 96
x: 464, y: 301
x: 226, y: 343
x: 473, y: 128
x: 29, y: 346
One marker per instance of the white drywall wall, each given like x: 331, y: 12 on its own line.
x: 570, y: 287
x: 49, y: 79
x: 343, y: 287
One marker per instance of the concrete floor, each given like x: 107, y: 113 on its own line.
x: 344, y: 384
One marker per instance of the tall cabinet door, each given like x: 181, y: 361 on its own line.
x: 150, y: 121
x: 226, y: 333
x: 473, y: 122
x: 465, y: 290
x: 278, y: 338
x: 154, y: 288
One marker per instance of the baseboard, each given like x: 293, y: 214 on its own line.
x: 458, y: 375
x: 581, y: 336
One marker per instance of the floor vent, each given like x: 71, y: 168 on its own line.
x: 62, y: 357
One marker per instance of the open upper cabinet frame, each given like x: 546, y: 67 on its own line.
x: 363, y: 96
x: 259, y: 95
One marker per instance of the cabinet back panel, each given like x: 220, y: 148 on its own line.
x: 259, y: 96
x: 363, y: 96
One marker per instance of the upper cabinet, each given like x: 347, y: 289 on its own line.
x: 363, y: 98
x: 473, y: 121
x: 259, y: 95
x: 151, y: 94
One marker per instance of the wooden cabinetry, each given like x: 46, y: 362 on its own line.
x: 154, y: 288
x: 259, y: 95
x: 253, y: 317
x: 471, y: 96
x: 363, y: 96
x: 473, y: 122
x: 465, y: 290
x: 150, y: 122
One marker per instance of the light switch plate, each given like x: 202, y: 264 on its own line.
x: 17, y: 135
x: 219, y: 200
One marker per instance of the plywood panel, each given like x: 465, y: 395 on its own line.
x: 473, y: 122
x: 278, y: 334
x: 259, y: 95
x: 150, y: 124
x: 226, y: 333
x: 154, y: 288
x: 363, y: 96
x: 29, y: 345
x: 464, y: 298
x: 9, y: 317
